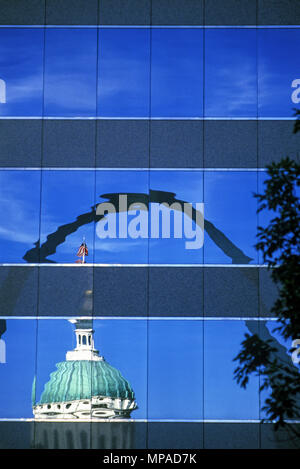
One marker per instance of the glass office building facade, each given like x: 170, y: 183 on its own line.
x: 142, y: 128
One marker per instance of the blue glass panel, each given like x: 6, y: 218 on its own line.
x: 21, y: 65
x: 176, y: 187
x: 67, y: 215
x: 230, y: 73
x: 223, y: 397
x: 20, y: 209
x: 124, y: 72
x: 177, y: 73
x: 278, y: 68
x: 114, y: 248
x: 70, y: 72
x: 123, y: 344
x: 17, y: 368
x: 265, y: 216
x: 55, y: 337
x: 175, y: 376
x: 230, y: 217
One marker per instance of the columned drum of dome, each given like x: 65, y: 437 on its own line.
x: 84, y: 385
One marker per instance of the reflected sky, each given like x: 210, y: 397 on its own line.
x: 70, y: 72
x: 124, y: 72
x: 230, y: 73
x: 175, y: 376
x: 174, y: 365
x: 66, y: 195
x: 177, y: 73
x: 187, y: 186
x: 16, y: 375
x: 21, y: 67
x: 223, y: 398
x: 118, y: 250
x: 68, y: 215
x: 20, y: 213
x: 180, y: 74
x: 231, y: 207
x: 279, y: 65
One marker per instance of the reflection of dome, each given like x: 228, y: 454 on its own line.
x: 85, y: 385
x: 81, y: 379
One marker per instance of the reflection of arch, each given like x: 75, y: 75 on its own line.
x: 40, y: 253
x: 2, y: 91
x: 2, y: 327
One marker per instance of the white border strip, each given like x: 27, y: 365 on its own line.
x: 78, y: 266
x: 145, y: 26
x: 128, y: 169
x: 144, y: 420
x: 141, y: 318
x: 128, y: 118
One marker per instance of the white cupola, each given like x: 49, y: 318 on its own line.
x: 85, y: 348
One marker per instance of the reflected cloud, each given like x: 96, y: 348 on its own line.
x: 24, y: 88
x: 70, y: 72
x: 19, y: 203
x: 124, y: 72
x: 235, y: 93
x: 278, y: 66
x: 21, y: 66
x: 18, y: 236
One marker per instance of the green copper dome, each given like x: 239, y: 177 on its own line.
x: 82, y: 379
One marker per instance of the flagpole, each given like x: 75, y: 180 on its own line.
x: 83, y: 257
x: 82, y: 252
